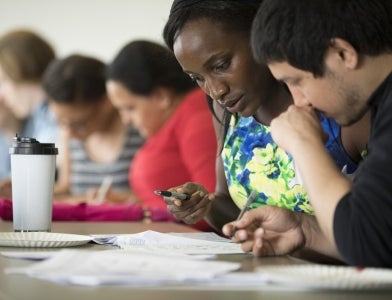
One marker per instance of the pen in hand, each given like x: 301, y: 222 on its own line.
x: 172, y: 194
x: 103, y: 189
x: 251, y: 198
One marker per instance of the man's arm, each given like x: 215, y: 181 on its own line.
x: 298, y: 131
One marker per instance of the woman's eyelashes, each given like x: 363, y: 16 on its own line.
x: 195, y: 78
x: 221, y: 66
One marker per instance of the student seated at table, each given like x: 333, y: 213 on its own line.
x: 339, y: 63
x: 211, y: 41
x: 24, y: 57
x: 9, y: 125
x: 94, y: 142
x: 152, y: 93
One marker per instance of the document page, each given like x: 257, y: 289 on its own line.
x: 124, y: 267
x: 156, y: 242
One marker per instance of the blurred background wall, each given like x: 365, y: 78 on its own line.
x: 93, y: 27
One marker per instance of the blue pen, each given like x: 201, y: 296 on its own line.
x: 172, y: 194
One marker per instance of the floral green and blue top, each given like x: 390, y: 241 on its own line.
x: 252, y: 161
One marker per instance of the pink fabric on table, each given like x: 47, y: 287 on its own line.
x: 84, y: 212
x: 69, y: 212
x: 159, y: 214
x: 114, y: 212
x: 6, y: 209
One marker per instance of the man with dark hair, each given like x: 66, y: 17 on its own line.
x: 335, y: 56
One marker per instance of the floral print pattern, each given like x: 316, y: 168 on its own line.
x: 252, y: 161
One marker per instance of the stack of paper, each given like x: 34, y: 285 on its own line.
x: 124, y: 267
x: 146, y: 258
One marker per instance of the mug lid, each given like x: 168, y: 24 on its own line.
x: 28, y: 145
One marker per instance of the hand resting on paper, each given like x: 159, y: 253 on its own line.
x: 273, y: 231
x: 194, y: 209
x: 268, y: 231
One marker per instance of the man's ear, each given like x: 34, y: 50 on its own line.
x: 347, y: 54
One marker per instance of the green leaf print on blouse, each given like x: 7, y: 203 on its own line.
x: 252, y: 161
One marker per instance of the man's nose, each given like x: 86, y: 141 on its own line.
x: 299, y: 98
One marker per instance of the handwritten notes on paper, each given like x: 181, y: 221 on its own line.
x: 189, y: 243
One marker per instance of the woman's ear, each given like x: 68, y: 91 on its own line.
x: 162, y: 97
x: 345, y: 52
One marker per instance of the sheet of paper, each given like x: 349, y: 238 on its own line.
x: 32, y: 255
x: 206, y: 236
x: 123, y: 267
x: 157, y: 242
x: 38, y: 254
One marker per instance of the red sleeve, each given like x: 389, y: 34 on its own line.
x: 197, y: 141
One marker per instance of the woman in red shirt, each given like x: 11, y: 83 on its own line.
x: 151, y: 91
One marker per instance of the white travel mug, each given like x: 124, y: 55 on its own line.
x: 33, y: 166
